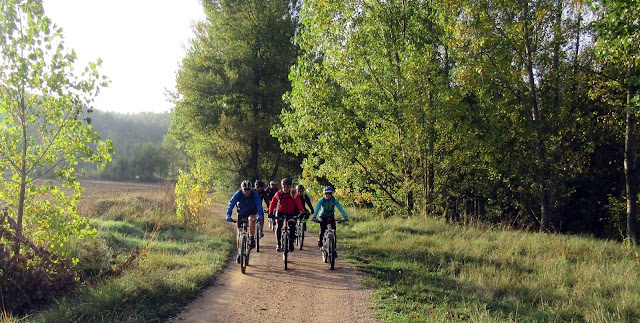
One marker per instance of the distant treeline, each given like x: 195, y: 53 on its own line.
x: 138, y: 141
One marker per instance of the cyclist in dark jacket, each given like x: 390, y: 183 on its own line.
x: 305, y: 199
x: 249, y: 205
x: 271, y: 191
x: 326, y: 207
x: 259, y: 187
x: 285, y: 202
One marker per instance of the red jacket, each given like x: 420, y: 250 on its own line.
x: 286, y: 203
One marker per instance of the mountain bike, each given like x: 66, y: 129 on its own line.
x: 329, y: 250
x: 301, y: 227
x: 272, y: 223
x: 284, y: 243
x: 244, y: 244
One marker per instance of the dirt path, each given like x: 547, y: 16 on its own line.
x: 307, y: 292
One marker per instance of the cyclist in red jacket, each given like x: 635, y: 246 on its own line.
x: 285, y: 202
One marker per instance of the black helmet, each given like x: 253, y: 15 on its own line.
x: 300, y: 187
x: 246, y: 184
x: 327, y: 189
x: 259, y: 183
x: 286, y: 181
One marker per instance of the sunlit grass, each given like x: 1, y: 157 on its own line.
x: 174, y: 263
x: 427, y: 270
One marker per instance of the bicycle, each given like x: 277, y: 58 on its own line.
x: 284, y: 243
x: 329, y: 250
x: 301, y: 227
x: 244, y: 244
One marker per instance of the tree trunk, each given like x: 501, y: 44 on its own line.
x: 542, y: 167
x: 630, y: 168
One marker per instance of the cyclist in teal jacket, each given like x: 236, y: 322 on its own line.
x: 326, y: 207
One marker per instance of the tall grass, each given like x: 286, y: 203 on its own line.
x: 172, y: 264
x: 427, y: 270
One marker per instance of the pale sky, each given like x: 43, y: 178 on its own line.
x: 141, y: 43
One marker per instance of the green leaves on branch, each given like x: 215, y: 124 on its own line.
x: 43, y: 105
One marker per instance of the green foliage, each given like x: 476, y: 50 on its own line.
x: 429, y: 271
x: 191, y: 190
x: 42, y: 105
x: 366, y: 91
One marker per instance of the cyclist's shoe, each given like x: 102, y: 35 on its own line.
x: 335, y: 255
x: 261, y: 234
x: 278, y: 249
x: 291, y: 248
x: 253, y: 242
x: 238, y: 258
x: 319, y: 244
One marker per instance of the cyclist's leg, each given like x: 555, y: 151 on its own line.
x: 239, y: 224
x: 252, y: 224
x: 323, y: 228
x: 279, y: 231
x: 292, y: 233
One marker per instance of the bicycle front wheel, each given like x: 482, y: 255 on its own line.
x: 243, y: 254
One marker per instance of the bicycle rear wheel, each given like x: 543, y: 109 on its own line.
x: 285, y: 247
x: 243, y: 254
x: 301, y: 237
x: 258, y: 229
x: 332, y: 252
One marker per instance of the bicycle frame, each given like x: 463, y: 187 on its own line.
x: 244, y: 245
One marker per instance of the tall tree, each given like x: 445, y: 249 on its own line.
x: 618, y: 43
x: 44, y: 135
x: 365, y: 96
x: 230, y: 86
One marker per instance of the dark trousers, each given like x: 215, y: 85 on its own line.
x: 323, y: 227
x: 292, y: 229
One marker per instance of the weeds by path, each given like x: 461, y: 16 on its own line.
x: 173, y: 264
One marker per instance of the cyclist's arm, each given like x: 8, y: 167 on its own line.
x: 232, y: 203
x: 339, y: 205
x: 307, y: 200
x: 273, y: 204
x: 258, y: 200
x: 298, y: 202
x: 318, y: 206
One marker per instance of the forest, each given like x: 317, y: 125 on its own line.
x: 522, y: 113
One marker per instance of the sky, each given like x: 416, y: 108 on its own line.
x: 141, y: 43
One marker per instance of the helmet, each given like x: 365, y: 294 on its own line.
x: 286, y: 181
x: 300, y: 187
x: 259, y: 183
x: 272, y: 183
x: 327, y: 189
x: 246, y: 184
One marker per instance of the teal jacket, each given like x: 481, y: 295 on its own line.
x: 326, y: 208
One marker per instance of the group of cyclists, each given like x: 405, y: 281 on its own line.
x: 283, y: 204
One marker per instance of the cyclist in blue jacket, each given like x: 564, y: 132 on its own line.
x: 249, y: 204
x: 326, y: 207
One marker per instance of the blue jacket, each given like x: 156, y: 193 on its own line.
x: 247, y: 205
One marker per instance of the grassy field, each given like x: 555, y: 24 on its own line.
x: 421, y: 270
x: 427, y: 270
x: 158, y: 263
